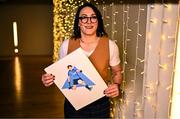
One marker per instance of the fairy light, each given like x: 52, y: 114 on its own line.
x: 128, y: 39
x: 170, y: 55
x: 165, y: 21
x: 141, y: 60
x: 171, y: 37
x: 132, y: 70
x: 153, y: 20
x: 142, y: 73
x: 152, y: 6
x: 163, y: 66
x: 147, y: 97
x: 165, y: 5
x: 163, y: 37
x: 169, y: 87
x: 139, y: 34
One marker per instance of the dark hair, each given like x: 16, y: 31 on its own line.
x: 69, y: 66
x: 100, y: 29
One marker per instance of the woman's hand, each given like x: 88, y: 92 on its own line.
x: 47, y: 79
x: 112, y: 91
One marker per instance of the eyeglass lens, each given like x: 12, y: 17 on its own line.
x: 85, y: 19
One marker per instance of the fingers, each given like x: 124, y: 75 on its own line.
x: 112, y: 91
x: 48, y: 79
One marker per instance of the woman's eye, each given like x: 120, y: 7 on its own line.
x: 83, y: 17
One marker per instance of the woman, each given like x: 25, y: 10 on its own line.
x: 89, y: 34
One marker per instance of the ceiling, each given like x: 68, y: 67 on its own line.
x: 26, y: 1
x: 106, y: 1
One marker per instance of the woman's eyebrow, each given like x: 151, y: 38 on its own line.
x: 93, y: 14
x: 87, y: 15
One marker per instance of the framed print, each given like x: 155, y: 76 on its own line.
x: 77, y: 79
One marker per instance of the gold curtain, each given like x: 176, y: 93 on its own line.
x: 64, y: 12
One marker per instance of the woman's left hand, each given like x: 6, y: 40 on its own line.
x: 112, y: 91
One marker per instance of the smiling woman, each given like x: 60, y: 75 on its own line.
x: 89, y: 35
x: 88, y: 23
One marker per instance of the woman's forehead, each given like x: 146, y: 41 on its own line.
x: 87, y: 10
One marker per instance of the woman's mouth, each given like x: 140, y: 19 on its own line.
x: 88, y: 27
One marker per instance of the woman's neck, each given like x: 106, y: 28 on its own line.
x: 89, y: 39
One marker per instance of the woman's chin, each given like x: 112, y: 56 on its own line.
x: 89, y: 33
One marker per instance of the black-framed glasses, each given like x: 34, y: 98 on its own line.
x: 84, y: 19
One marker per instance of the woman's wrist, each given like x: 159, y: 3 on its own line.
x: 117, y: 83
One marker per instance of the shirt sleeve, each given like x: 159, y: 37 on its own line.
x: 63, y: 49
x: 114, y: 53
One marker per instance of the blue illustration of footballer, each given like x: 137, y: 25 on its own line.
x: 76, y: 79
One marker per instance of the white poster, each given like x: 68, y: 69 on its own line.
x: 78, y: 79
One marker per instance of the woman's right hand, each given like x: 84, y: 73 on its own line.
x: 47, y: 79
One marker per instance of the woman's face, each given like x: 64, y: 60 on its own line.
x: 88, y: 21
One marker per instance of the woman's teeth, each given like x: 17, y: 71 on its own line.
x: 89, y: 27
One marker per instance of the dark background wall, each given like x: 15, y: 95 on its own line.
x: 34, y: 25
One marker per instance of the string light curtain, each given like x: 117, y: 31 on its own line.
x: 160, y: 54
